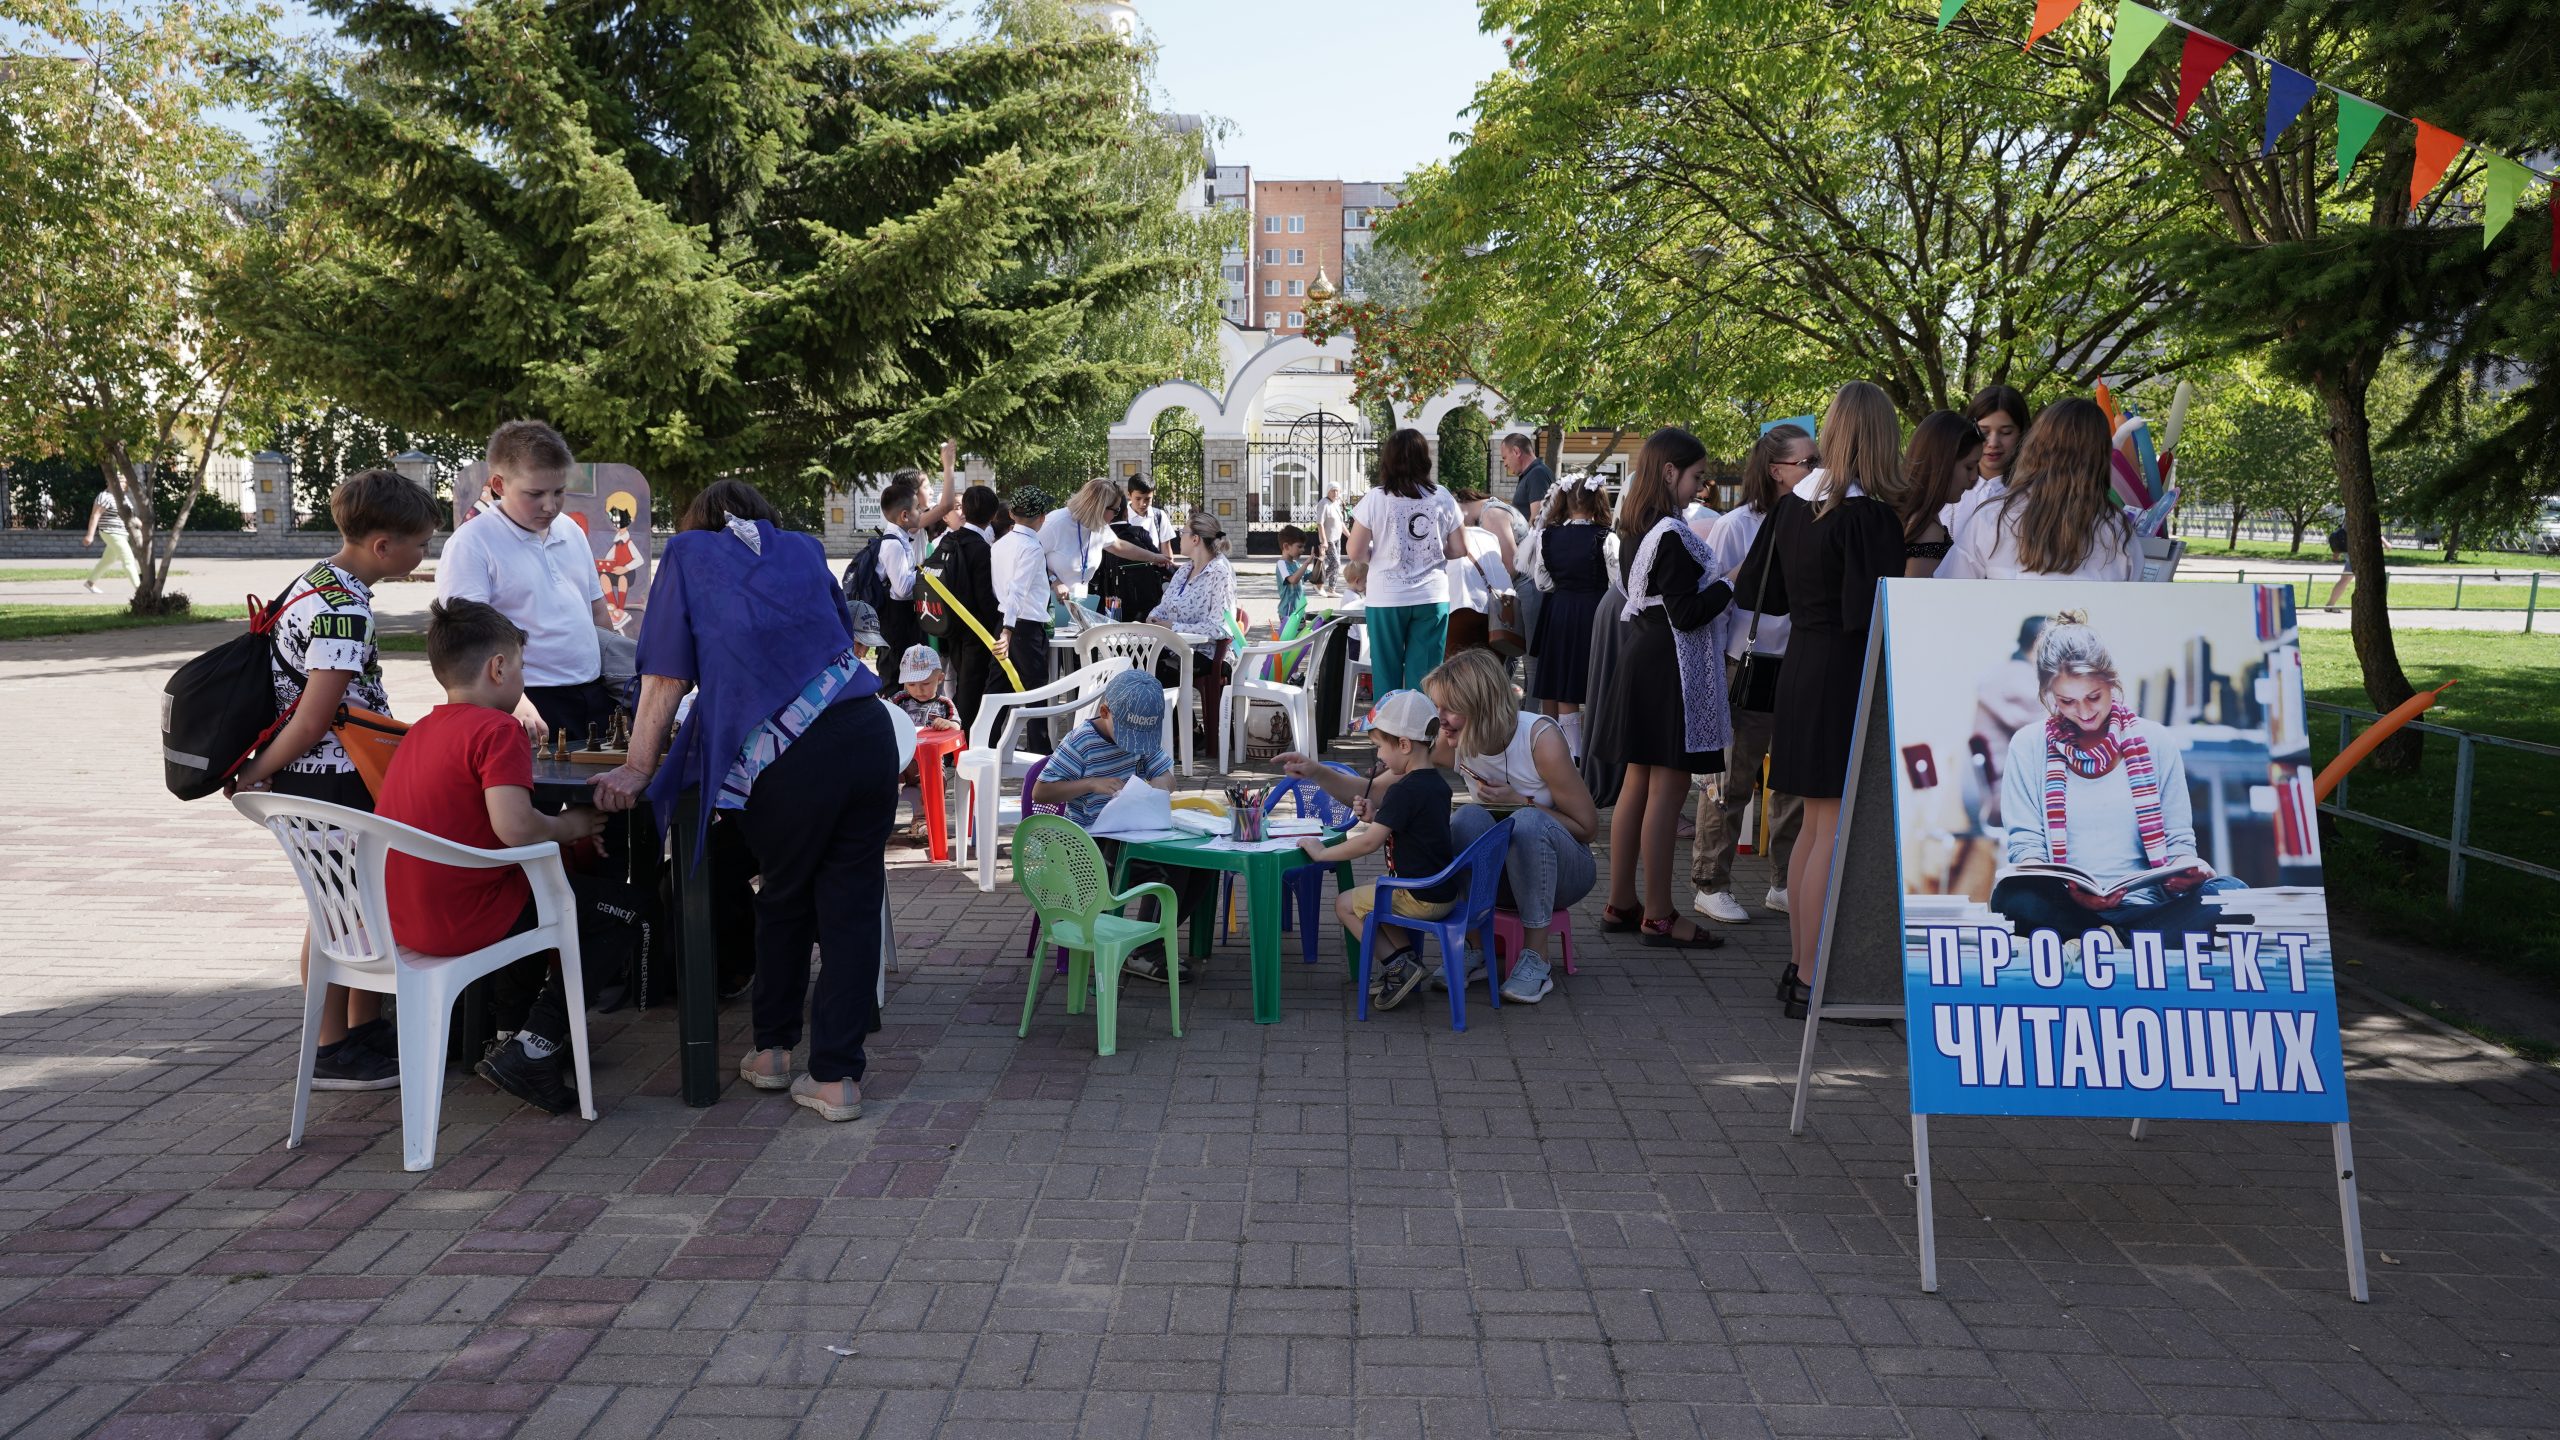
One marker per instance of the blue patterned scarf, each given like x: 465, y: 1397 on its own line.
x: 1701, y: 651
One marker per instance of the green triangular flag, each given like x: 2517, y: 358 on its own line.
x: 2507, y: 180
x: 2356, y: 121
x: 1947, y: 12
x: 2136, y: 27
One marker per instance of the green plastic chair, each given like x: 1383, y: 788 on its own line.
x: 1060, y: 869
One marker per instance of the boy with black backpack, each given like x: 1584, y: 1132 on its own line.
x: 323, y: 657
x: 883, y: 575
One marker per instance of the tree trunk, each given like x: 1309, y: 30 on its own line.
x: 132, y: 490
x: 2232, y: 540
x: 2386, y: 685
x: 2300, y: 524
x: 2453, y: 542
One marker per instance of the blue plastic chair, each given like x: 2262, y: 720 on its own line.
x: 1482, y: 864
x: 1302, y: 887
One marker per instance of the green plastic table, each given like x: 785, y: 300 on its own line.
x: 1261, y: 870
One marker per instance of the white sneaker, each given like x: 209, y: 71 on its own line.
x: 1720, y: 907
x: 1776, y: 900
x: 92, y: 587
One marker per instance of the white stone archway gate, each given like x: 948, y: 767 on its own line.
x: 1227, y: 421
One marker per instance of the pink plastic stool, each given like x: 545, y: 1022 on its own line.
x: 1506, y: 938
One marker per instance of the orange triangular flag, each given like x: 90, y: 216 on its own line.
x: 2049, y: 14
x: 2436, y: 149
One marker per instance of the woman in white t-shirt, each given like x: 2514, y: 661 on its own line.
x: 2060, y: 520
x: 1403, y: 530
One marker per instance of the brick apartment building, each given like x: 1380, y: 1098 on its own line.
x: 1295, y: 230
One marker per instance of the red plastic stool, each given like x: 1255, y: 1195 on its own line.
x: 1506, y: 938
x: 931, y: 747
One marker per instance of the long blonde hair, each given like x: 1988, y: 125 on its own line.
x: 2063, y: 492
x: 1474, y: 683
x: 1861, y: 443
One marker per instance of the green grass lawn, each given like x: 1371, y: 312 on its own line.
x: 2512, y: 590
x: 2510, y: 687
x: 2315, y: 551
x: 27, y: 622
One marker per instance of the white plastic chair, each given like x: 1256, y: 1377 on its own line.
x: 994, y: 756
x: 1354, y: 666
x: 1143, y: 645
x: 338, y: 854
x: 1254, y: 667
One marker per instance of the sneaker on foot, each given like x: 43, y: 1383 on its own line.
x: 353, y: 1065
x: 92, y: 587
x: 1776, y: 900
x: 536, y: 1082
x: 1394, y: 980
x: 1530, y: 980
x: 1475, y: 972
x: 1720, y: 907
x: 378, y: 1035
x: 1146, y: 964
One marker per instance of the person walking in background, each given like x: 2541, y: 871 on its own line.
x: 2337, y: 552
x: 1572, y: 556
x: 783, y: 730
x: 2001, y: 413
x: 1520, y: 458
x: 1403, y: 530
x: 1819, y: 556
x: 966, y: 562
x: 1019, y: 570
x: 2060, y: 520
x: 107, y: 526
x: 1935, y: 470
x: 1674, y: 648
x: 1329, y: 540
x: 1783, y: 455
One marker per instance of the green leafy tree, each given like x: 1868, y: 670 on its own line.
x: 1720, y: 209
x: 127, y: 210
x: 2338, y: 281
x: 2254, y: 442
x: 780, y: 241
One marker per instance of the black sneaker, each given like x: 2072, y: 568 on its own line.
x: 1395, y: 980
x: 535, y: 1082
x: 1147, y: 963
x: 353, y: 1065
x: 378, y: 1035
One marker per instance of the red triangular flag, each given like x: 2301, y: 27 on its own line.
x: 2049, y: 14
x: 2196, y: 64
x: 2436, y: 149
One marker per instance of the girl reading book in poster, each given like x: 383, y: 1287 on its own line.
x: 2099, y: 826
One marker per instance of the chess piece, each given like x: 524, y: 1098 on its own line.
x: 591, y: 735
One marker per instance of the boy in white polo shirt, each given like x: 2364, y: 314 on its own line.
x: 534, y: 565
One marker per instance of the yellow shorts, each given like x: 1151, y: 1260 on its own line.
x: 1364, y: 898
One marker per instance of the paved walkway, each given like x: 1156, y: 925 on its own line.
x: 1584, y: 1218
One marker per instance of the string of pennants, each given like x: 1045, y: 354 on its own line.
x: 2289, y: 93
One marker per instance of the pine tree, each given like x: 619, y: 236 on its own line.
x: 759, y: 238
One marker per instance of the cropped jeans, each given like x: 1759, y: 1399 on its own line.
x: 1547, y: 867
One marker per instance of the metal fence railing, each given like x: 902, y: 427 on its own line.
x: 2459, y: 851
x: 2506, y: 591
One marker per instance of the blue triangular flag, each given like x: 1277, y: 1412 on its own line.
x: 2287, y: 92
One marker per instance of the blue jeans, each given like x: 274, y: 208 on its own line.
x: 1405, y: 644
x: 1547, y: 867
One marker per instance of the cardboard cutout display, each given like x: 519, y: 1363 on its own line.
x: 611, y: 503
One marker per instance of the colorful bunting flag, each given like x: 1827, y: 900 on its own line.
x: 1947, y: 12
x: 2136, y: 27
x: 2356, y: 122
x: 2049, y: 16
x: 2506, y: 186
x: 2436, y: 149
x: 2196, y: 65
x: 2288, y: 90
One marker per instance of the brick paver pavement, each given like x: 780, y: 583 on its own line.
x: 1583, y: 1218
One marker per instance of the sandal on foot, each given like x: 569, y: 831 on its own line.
x: 1659, y: 935
x: 1613, y: 919
x: 777, y: 1076
x: 819, y: 1095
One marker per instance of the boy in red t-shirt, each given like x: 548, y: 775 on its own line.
x: 465, y: 772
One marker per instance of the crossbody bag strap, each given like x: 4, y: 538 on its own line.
x: 1751, y: 637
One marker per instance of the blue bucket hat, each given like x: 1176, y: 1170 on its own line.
x: 1137, y: 712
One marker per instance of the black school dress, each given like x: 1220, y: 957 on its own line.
x: 1653, y: 728
x: 1573, y: 555
x: 1826, y: 583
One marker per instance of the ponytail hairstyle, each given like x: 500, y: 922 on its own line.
x: 1760, y: 487
x: 979, y: 506
x: 2069, y: 647
x: 1648, y: 495
x: 1210, y: 533
x: 1581, y: 497
x: 2063, y: 490
x: 1937, y: 468
x: 1861, y: 446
